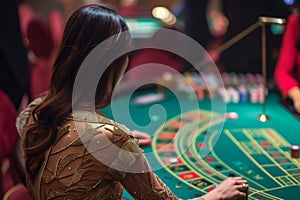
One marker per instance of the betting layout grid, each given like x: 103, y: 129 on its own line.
x: 268, y: 160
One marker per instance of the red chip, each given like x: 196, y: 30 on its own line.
x: 201, y: 145
x: 189, y: 175
x: 295, y: 151
x: 209, y: 159
x: 265, y: 144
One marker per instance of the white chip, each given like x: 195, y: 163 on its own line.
x: 173, y: 160
x: 232, y: 115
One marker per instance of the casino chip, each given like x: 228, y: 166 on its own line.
x: 173, y: 160
x: 232, y: 115
x: 295, y: 151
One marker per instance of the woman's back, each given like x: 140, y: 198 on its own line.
x: 72, y: 171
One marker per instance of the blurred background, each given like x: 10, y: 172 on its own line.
x: 31, y: 30
x: 209, y: 22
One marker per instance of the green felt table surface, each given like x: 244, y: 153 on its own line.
x: 245, y: 147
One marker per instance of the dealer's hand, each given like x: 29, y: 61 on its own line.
x: 294, y: 94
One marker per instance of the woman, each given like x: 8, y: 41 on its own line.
x: 74, y: 153
x: 287, y: 71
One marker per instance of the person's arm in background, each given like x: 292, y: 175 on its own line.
x: 217, y: 21
x: 284, y: 71
x: 294, y: 94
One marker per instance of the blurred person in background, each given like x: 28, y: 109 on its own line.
x: 204, y: 22
x: 14, y: 75
x: 245, y: 55
x: 287, y: 71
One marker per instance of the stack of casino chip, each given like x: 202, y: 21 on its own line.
x: 243, y: 93
x: 253, y: 94
x: 257, y: 94
x: 235, y: 87
x: 224, y: 95
x: 242, y: 87
x: 197, y: 82
x: 229, y: 94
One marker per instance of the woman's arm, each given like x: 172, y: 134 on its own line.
x: 129, y: 166
x: 142, y: 183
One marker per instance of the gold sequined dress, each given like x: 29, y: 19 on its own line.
x: 93, y: 157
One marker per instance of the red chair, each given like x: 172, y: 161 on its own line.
x: 41, y: 44
x: 40, y: 40
x: 8, y: 136
x: 17, y: 192
x: 56, y: 25
x: 26, y: 14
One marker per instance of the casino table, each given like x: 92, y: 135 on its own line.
x: 192, y: 157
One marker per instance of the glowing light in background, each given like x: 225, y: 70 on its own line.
x: 289, y: 2
x: 160, y: 12
x: 164, y: 14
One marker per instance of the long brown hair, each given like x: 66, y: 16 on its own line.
x: 86, y: 28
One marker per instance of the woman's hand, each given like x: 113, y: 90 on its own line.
x: 231, y: 189
x: 144, y: 138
